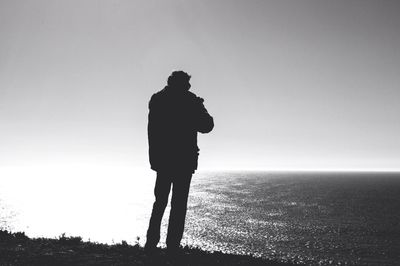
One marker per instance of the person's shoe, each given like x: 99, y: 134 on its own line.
x: 150, y: 250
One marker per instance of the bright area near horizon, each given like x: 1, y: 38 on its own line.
x: 291, y: 84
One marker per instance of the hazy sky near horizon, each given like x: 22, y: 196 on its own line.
x: 303, y: 84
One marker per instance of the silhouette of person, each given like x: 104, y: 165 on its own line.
x: 175, y: 117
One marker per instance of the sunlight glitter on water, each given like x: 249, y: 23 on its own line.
x: 315, y: 218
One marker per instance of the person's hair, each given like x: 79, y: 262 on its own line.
x: 178, y: 77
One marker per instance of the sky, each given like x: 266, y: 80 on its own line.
x: 291, y: 85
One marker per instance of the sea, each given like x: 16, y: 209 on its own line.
x: 316, y: 218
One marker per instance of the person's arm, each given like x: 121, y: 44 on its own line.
x: 205, y: 122
x: 153, y: 133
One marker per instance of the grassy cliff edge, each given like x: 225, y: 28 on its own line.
x: 18, y: 249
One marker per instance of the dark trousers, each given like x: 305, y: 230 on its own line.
x: 180, y: 191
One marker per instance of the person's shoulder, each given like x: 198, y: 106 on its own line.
x: 160, y: 93
x: 191, y: 94
x: 194, y: 97
x: 156, y: 98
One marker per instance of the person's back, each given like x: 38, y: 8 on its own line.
x: 175, y: 117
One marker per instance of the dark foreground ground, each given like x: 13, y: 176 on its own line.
x: 18, y: 249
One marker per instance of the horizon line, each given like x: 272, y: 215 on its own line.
x: 329, y: 170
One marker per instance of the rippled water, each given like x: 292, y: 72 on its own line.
x: 318, y: 218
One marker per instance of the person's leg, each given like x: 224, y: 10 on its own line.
x: 176, y: 224
x: 161, y: 192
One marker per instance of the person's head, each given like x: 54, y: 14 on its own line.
x: 179, y: 80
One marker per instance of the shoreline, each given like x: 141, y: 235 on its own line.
x: 18, y: 249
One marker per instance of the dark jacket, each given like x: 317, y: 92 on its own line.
x: 174, y: 120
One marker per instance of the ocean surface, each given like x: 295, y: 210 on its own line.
x: 320, y: 218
